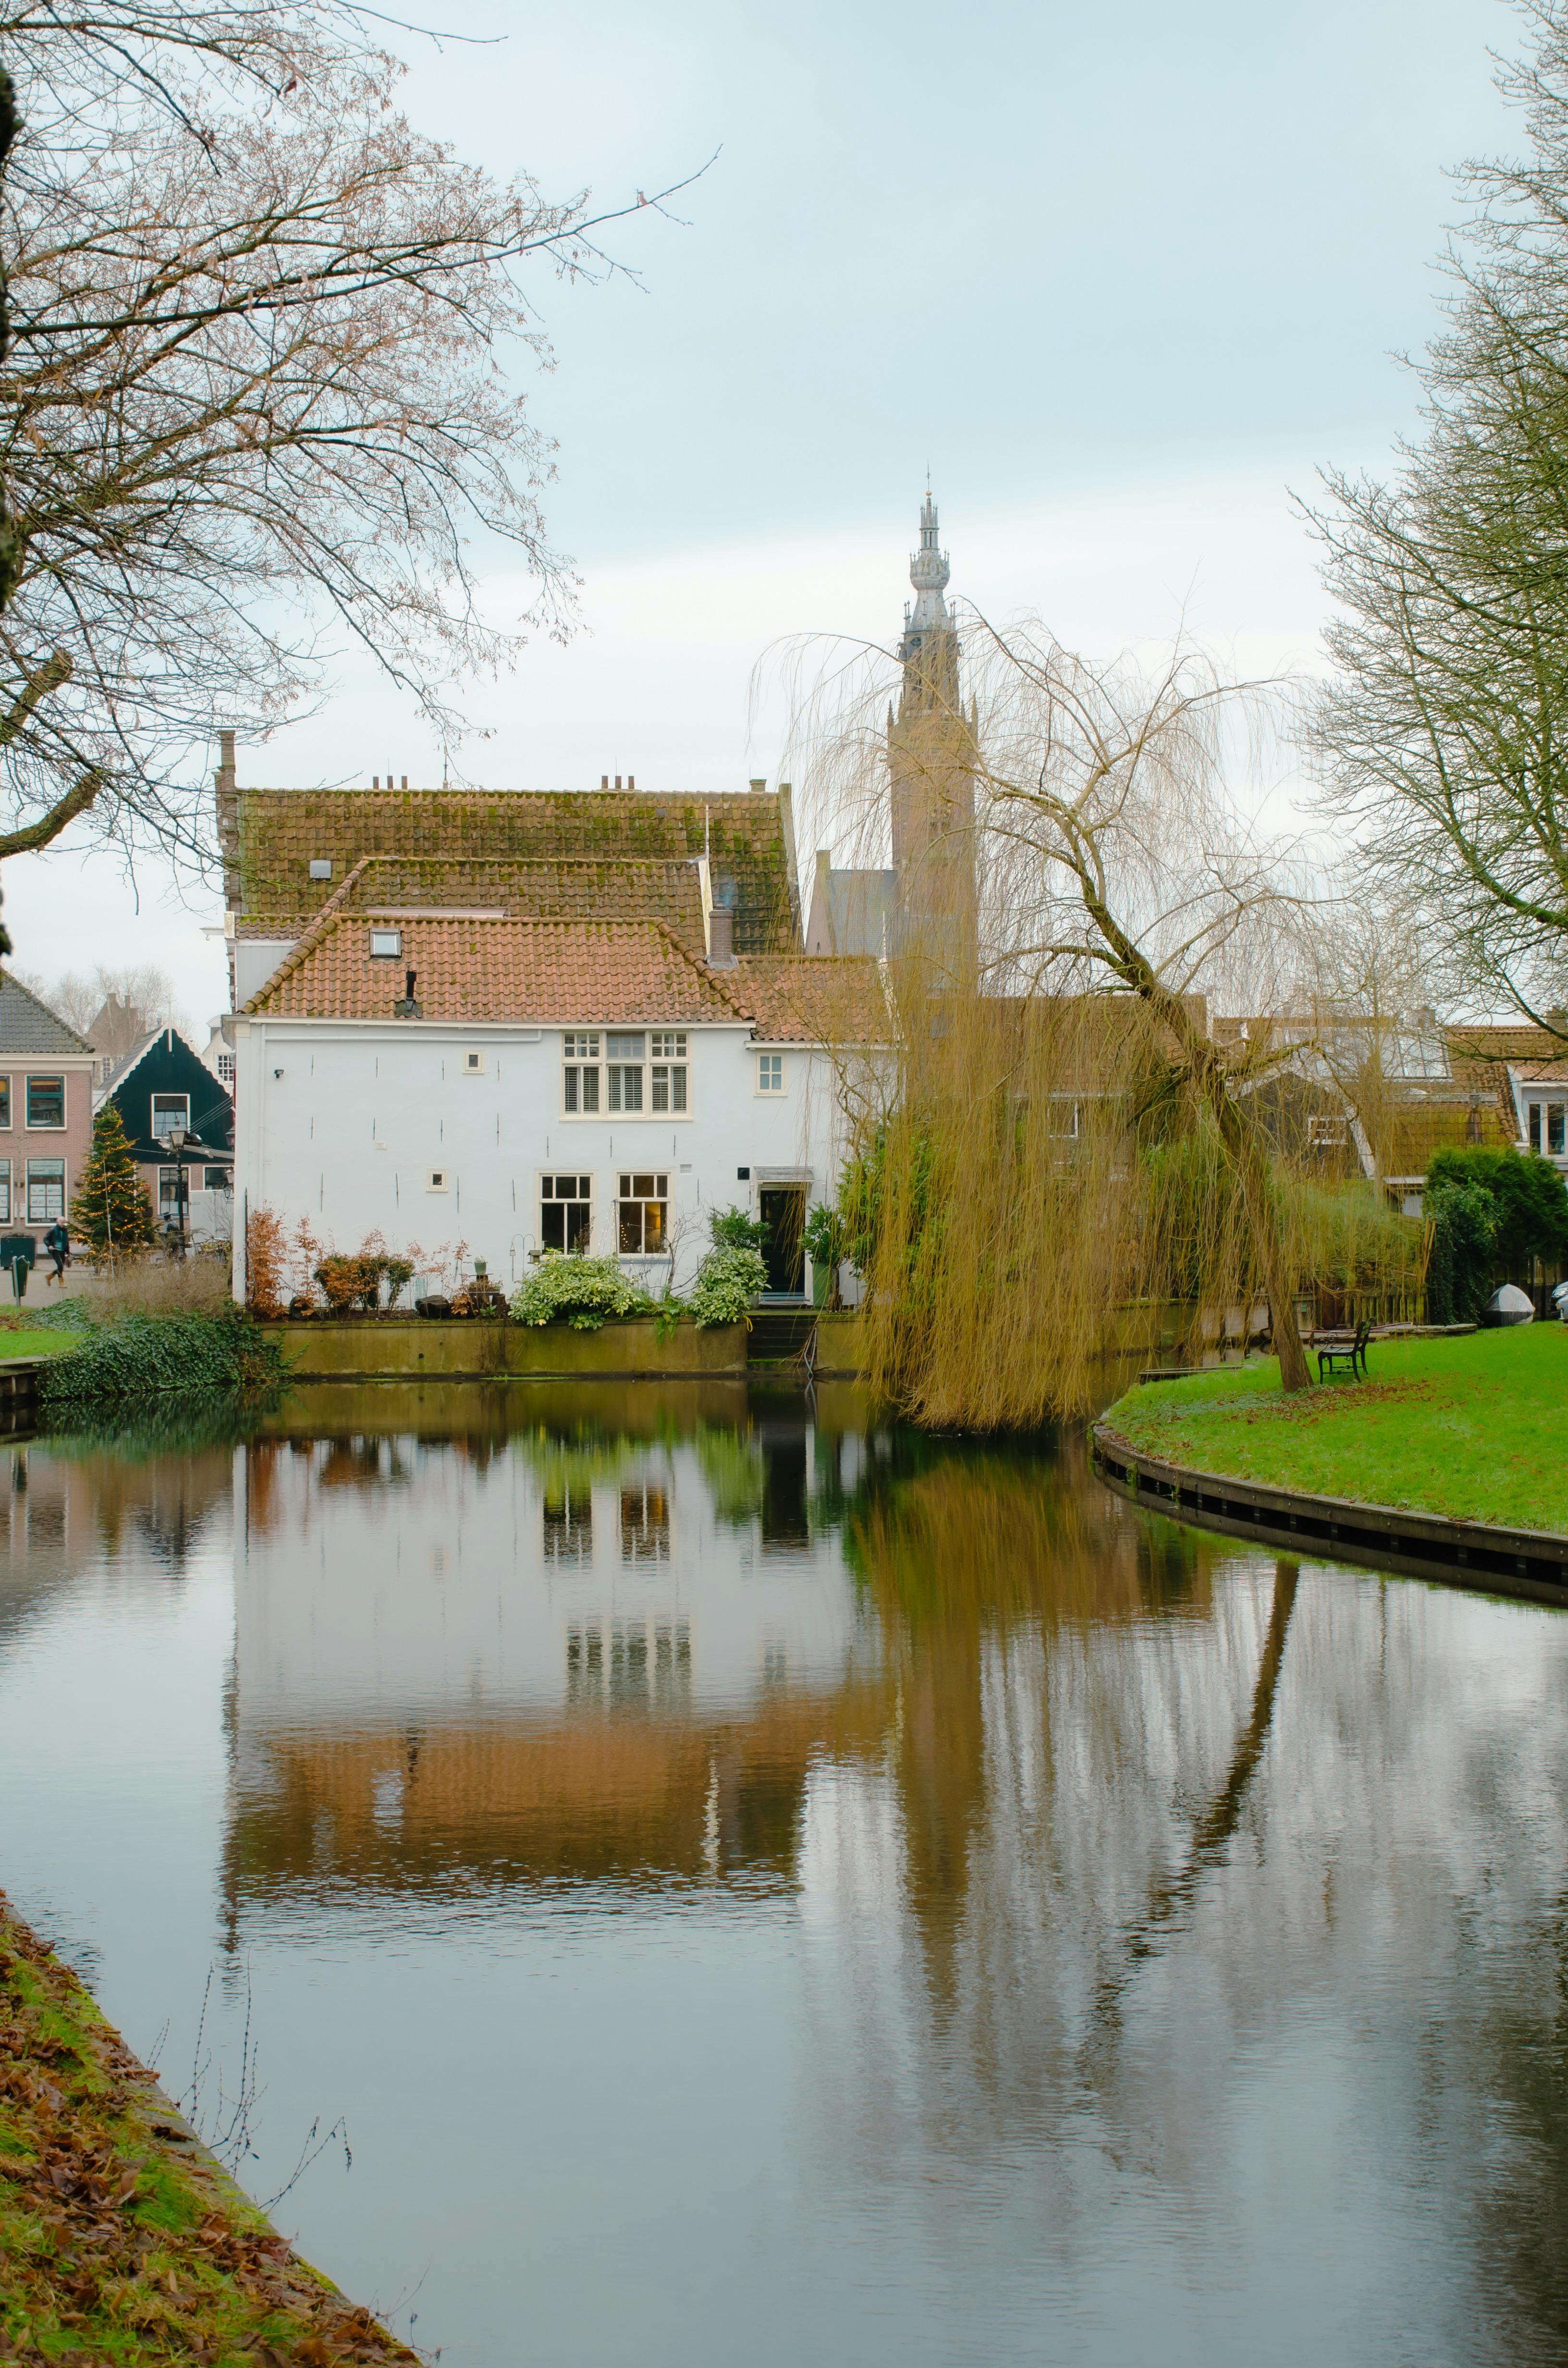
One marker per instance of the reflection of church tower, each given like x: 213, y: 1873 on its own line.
x: 932, y: 750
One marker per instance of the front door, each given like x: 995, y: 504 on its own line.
x: 783, y: 1212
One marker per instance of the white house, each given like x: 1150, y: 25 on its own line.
x: 522, y: 1083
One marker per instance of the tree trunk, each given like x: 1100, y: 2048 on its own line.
x: 1241, y: 1143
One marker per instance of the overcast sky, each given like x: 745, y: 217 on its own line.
x: 1124, y: 279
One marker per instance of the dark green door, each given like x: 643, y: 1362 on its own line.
x: 783, y: 1212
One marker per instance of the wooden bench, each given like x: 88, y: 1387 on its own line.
x: 1349, y: 1350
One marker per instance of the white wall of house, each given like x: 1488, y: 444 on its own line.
x: 434, y: 1134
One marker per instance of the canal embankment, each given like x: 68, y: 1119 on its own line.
x: 388, y: 1347
x: 1447, y: 1458
x: 122, y: 2236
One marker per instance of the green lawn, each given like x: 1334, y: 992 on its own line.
x: 35, y: 1344
x: 1476, y: 1427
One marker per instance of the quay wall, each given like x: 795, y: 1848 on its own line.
x: 459, y: 1349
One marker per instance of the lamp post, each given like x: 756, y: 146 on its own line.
x: 176, y: 1139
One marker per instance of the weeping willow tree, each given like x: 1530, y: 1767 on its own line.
x: 1060, y: 1136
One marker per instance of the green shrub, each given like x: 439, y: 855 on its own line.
x: 729, y: 1279
x: 1526, y: 1193
x: 139, y: 1356
x: 824, y: 1236
x: 584, y: 1291
x: 731, y: 1229
x: 1464, y: 1251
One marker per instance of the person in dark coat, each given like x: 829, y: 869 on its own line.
x: 57, y: 1245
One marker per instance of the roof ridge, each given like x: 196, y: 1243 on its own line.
x: 9, y: 978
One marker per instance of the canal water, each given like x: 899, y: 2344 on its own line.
x: 684, y: 1875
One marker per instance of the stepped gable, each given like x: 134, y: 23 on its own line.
x: 551, y: 973
x: 270, y: 836
x: 397, y: 884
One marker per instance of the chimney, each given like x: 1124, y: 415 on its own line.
x: 375, y: 781
x: 631, y: 781
x: 604, y: 780
x: 756, y: 786
x: 722, y: 939
x: 618, y: 780
x: 405, y: 781
x: 408, y: 1009
x: 223, y: 778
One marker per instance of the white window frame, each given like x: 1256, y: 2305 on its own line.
x: 1062, y: 1118
x: 4, y: 1192
x: 581, y: 1059
x: 1326, y: 1132
x: 621, y: 1064
x: 1539, y: 1125
x: 556, y: 1200
x: 772, y: 1082
x: 627, y: 1197
x: 169, y: 1193
x: 669, y: 1073
x: 43, y: 1184
x: 169, y: 1118
x: 473, y: 1063
x: 44, y: 1126
x: 437, y: 1180
x: 386, y: 945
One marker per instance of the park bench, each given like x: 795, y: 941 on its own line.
x: 1349, y: 1349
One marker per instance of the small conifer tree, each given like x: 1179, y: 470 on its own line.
x: 111, y: 1211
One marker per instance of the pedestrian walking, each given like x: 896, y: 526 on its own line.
x: 57, y: 1245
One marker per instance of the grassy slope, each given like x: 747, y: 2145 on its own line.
x: 118, y: 2242
x: 22, y: 1343
x: 1476, y: 1427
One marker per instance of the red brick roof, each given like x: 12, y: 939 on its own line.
x: 816, y: 999
x: 551, y: 973
x: 565, y: 889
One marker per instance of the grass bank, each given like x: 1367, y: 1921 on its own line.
x: 119, y: 2240
x: 1476, y: 1427
x: 20, y: 1342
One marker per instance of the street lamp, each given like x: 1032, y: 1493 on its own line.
x: 176, y: 1139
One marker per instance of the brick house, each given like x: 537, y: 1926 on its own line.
x: 46, y: 1110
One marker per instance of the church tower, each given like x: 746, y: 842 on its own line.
x: 932, y: 754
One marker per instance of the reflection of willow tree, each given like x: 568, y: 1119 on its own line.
x: 959, y: 1557
x: 1214, y: 1827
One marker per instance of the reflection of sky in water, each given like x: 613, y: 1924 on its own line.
x: 758, y: 1889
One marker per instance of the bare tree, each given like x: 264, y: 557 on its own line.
x: 1444, y: 732
x: 259, y: 402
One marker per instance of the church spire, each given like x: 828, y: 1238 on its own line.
x: 928, y: 572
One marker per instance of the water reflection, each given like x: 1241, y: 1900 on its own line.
x: 977, y: 1918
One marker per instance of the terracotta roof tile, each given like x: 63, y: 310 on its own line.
x: 626, y: 890
x: 813, y: 999
x: 557, y: 972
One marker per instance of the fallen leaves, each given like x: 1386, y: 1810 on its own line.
x: 113, y: 2221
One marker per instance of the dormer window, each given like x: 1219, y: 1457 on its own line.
x: 386, y: 945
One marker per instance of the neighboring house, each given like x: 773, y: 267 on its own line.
x: 164, y: 1084
x: 524, y: 1084
x: 1523, y: 1072
x: 115, y: 1032
x: 46, y: 1108
x: 1378, y: 1097
x: 218, y: 1053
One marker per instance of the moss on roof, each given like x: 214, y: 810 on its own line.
x: 269, y: 839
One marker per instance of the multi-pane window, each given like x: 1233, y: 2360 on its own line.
x: 624, y: 1059
x: 216, y: 1179
x: 46, y: 1101
x: 170, y: 1111
x: 770, y: 1073
x: 4, y: 1192
x: 168, y: 1193
x: 226, y: 1068
x: 4, y: 1101
x: 565, y: 1212
x: 642, y: 1214
x: 667, y: 1081
x: 579, y: 1074
x: 1549, y: 1128
x: 46, y: 1190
